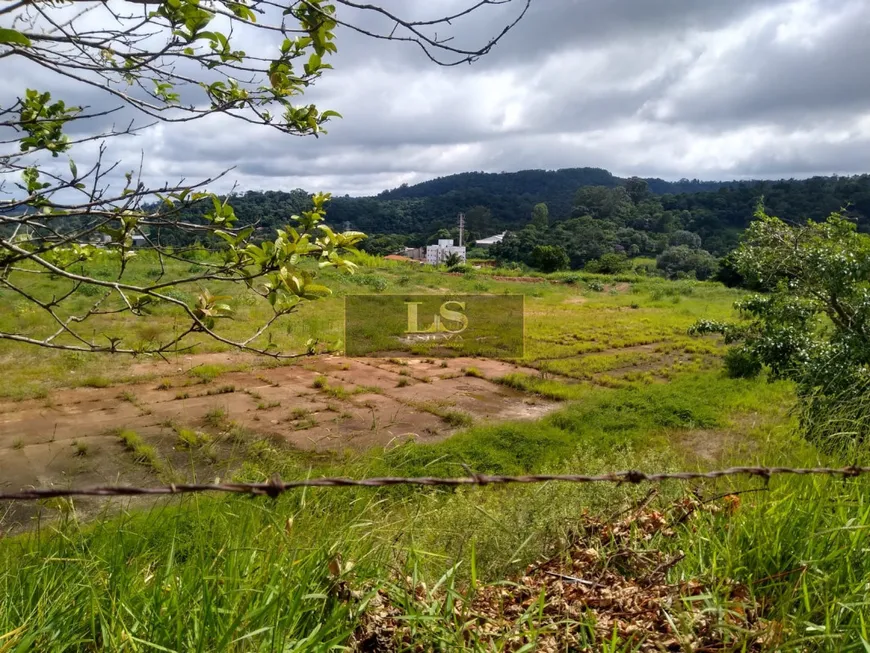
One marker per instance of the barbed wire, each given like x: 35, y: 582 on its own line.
x: 276, y: 486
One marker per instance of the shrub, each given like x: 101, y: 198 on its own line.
x: 549, y: 258
x: 612, y: 263
x: 818, y: 275
x: 741, y: 364
x: 683, y: 261
x: 595, y: 285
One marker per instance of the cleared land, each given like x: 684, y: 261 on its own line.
x: 74, y: 419
x: 610, y: 380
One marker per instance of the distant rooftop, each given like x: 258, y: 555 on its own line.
x: 492, y: 240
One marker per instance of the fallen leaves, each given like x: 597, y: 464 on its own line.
x: 609, y: 586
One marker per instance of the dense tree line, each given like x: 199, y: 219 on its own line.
x: 587, y: 211
x: 606, y: 227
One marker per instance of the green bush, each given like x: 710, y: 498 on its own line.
x: 549, y: 258
x: 741, y: 364
x: 611, y: 263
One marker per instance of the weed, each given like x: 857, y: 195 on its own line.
x: 206, y: 373
x: 403, y: 382
x: 96, y: 382
x: 300, y: 413
x: 441, y: 409
x: 81, y: 448
x: 216, y: 417
x: 188, y: 439
x: 268, y: 406
x: 367, y: 390
x: 143, y: 453
x: 304, y: 424
x: 18, y: 444
x: 472, y: 371
x: 224, y: 389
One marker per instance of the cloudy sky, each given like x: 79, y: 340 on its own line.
x: 709, y: 89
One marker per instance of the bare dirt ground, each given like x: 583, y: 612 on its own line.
x: 321, y: 404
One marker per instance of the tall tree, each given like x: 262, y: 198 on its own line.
x: 541, y: 216
x: 637, y: 189
x: 478, y: 219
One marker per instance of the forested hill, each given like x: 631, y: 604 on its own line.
x: 556, y: 187
x: 495, y: 202
x: 509, y: 197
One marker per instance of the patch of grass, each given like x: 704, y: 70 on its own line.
x: 182, y: 395
x: 336, y: 391
x: 216, y: 417
x: 96, y: 382
x: 164, y: 384
x: 224, y: 389
x: 304, y: 424
x: 268, y: 405
x: 443, y: 410
x: 473, y: 371
x: 367, y: 390
x: 143, y: 453
x: 206, y: 373
x: 299, y: 413
x: 18, y: 444
x: 403, y: 382
x: 550, y: 389
x: 81, y: 448
x: 189, y: 439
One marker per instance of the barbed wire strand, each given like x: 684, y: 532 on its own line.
x: 276, y: 486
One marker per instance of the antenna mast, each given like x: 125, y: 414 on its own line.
x: 461, y: 227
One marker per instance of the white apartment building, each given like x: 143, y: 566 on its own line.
x: 436, y: 254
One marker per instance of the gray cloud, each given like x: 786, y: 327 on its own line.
x: 668, y: 88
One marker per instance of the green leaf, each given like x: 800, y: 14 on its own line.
x: 13, y: 37
x: 314, y: 291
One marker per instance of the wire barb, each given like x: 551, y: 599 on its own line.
x: 275, y: 486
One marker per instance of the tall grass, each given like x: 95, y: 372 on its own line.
x: 802, y: 549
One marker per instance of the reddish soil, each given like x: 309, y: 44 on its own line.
x: 71, y: 438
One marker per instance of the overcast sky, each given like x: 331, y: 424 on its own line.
x: 710, y: 89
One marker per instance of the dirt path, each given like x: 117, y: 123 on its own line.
x: 320, y: 404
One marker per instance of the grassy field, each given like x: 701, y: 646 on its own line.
x: 781, y: 568
x: 582, y: 326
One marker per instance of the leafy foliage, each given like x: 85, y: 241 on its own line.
x: 813, y: 327
x: 682, y: 260
x: 170, y: 62
x: 549, y: 258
